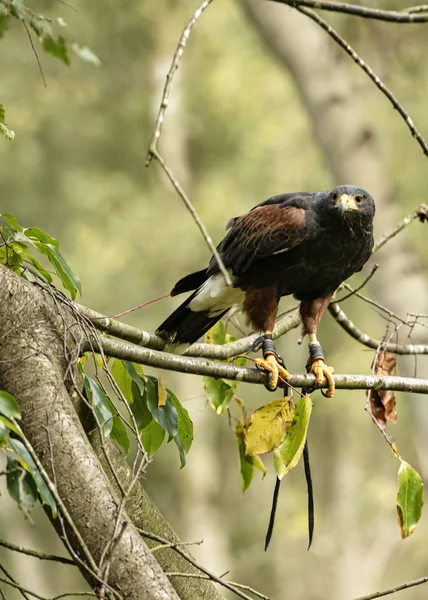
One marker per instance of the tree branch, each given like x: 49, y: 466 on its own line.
x: 360, y: 11
x: 393, y: 590
x: 197, y: 366
x: 29, y: 319
x: 368, y: 70
x: 143, y: 338
x: 153, y: 151
x: 346, y: 323
x: 40, y: 555
x: 420, y: 213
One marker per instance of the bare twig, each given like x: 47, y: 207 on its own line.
x: 25, y: 590
x: 11, y: 581
x: 170, y: 76
x: 153, y: 151
x: 240, y: 586
x: 40, y: 555
x: 401, y: 225
x: 210, y: 575
x: 35, y: 51
x: 60, y: 503
x: 359, y: 11
x: 393, y: 590
x: 360, y: 287
x: 370, y: 342
x: 365, y: 67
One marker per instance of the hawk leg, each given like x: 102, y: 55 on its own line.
x: 271, y: 362
x: 318, y: 367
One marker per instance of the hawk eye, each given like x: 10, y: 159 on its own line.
x: 334, y: 195
x: 359, y: 199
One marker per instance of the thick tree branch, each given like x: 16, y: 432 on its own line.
x: 198, y: 366
x: 143, y: 338
x: 30, y: 320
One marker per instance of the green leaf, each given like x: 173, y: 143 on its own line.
x: 68, y: 279
x: 136, y: 373
x: 9, y: 406
x: 139, y: 408
x: 11, y: 426
x: 219, y: 394
x: 40, y: 268
x: 20, y: 485
x: 122, y: 378
x: 86, y: 54
x: 57, y: 46
x: 217, y: 334
x: 4, y: 433
x: 409, y: 499
x: 246, y: 466
x: 166, y: 415
x: 38, y: 235
x: 10, y: 219
x: 101, y: 405
x: 152, y: 437
x: 119, y: 434
x: 288, y: 454
x: 26, y: 460
x: 268, y: 426
x: 4, y: 130
x: 184, y: 423
x: 17, y: 9
x: 184, y: 438
x: 4, y: 21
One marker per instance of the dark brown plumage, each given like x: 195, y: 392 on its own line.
x: 304, y: 244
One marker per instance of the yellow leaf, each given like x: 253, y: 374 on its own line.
x: 394, y: 450
x: 290, y: 451
x: 162, y: 393
x: 268, y: 426
x: 258, y: 463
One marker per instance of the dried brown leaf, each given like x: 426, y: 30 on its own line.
x: 382, y: 402
x: 422, y: 213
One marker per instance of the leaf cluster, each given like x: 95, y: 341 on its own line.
x: 157, y: 414
x: 25, y: 483
x: 51, y: 41
x: 16, y: 244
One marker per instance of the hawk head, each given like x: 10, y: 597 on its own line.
x: 350, y: 202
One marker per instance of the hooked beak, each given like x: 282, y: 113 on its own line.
x: 346, y: 202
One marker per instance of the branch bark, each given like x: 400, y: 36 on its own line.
x: 29, y: 320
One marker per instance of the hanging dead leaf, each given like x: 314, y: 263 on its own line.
x: 382, y: 402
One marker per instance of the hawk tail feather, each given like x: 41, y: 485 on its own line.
x: 185, y: 326
x: 190, y: 282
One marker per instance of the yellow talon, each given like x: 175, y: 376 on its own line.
x: 321, y: 370
x: 276, y: 370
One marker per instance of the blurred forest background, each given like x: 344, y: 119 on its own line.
x: 264, y: 102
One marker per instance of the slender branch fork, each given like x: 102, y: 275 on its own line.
x: 153, y: 151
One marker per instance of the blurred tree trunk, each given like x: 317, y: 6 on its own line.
x: 349, y: 146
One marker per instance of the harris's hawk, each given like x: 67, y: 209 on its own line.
x: 301, y: 244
